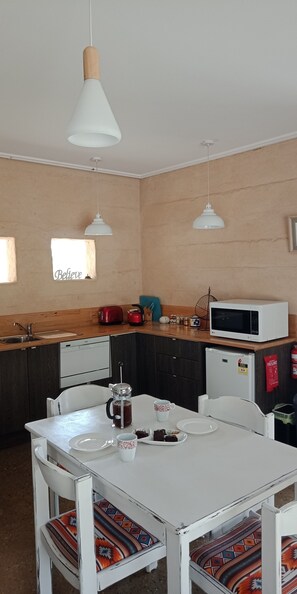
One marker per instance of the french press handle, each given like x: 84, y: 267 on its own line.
x: 108, y: 404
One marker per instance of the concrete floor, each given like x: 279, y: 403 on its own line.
x: 17, y: 557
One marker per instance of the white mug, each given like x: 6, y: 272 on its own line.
x: 162, y: 409
x: 127, y: 444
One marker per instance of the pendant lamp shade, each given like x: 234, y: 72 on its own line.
x: 93, y: 123
x: 208, y: 219
x: 98, y: 227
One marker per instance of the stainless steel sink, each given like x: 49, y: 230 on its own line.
x: 17, y: 339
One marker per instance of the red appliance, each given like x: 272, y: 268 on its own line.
x: 294, y: 362
x: 111, y: 314
x: 136, y: 315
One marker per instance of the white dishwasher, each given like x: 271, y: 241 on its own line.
x: 84, y: 360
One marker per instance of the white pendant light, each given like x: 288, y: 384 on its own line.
x: 93, y: 123
x: 98, y: 226
x: 208, y: 219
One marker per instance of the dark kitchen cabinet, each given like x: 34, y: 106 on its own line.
x: 27, y: 377
x: 146, y: 364
x: 14, y: 397
x: 178, y: 389
x: 180, y: 371
x: 123, y: 349
x: 43, y: 377
x: 287, y: 386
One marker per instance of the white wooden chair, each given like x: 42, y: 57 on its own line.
x: 237, y: 411
x: 232, y: 563
x: 243, y: 413
x: 70, y: 400
x: 94, y: 545
x: 77, y: 398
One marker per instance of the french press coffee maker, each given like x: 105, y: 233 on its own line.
x: 121, y: 403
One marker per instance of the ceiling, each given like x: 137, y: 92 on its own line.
x: 175, y: 73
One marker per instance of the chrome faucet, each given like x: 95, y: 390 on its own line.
x: 27, y: 329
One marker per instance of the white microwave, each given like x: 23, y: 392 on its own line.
x: 256, y: 320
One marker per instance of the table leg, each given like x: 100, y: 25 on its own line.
x: 178, y: 578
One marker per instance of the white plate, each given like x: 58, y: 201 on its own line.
x: 89, y: 442
x: 197, y: 426
x: 181, y: 437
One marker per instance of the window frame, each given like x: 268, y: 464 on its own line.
x: 64, y: 266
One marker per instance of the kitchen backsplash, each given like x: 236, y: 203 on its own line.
x: 70, y: 319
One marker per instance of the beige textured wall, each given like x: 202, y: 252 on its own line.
x: 38, y: 202
x: 254, y: 192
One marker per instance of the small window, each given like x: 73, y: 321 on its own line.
x: 73, y: 259
x: 7, y: 260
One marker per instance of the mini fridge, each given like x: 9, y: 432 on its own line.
x: 230, y: 373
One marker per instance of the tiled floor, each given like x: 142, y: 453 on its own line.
x: 17, y: 560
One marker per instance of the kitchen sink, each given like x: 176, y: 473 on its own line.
x: 18, y: 338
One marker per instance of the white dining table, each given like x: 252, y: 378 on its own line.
x: 178, y: 492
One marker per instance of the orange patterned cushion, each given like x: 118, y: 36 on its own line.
x: 116, y: 536
x: 234, y: 559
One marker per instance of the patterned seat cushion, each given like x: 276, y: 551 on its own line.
x: 116, y: 536
x: 234, y: 559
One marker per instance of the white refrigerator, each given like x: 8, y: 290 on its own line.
x: 230, y: 373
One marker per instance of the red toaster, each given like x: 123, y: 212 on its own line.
x: 111, y: 314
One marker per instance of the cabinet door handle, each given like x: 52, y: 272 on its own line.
x: 174, y: 357
x: 172, y: 338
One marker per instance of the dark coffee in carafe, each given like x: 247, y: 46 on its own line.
x: 117, y: 412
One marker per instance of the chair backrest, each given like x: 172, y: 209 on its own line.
x: 276, y: 523
x: 237, y: 411
x: 48, y: 475
x: 77, y: 398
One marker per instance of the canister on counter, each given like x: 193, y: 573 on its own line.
x: 172, y: 319
x: 194, y: 321
x: 186, y: 321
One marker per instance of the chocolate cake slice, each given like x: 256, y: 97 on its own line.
x: 141, y: 433
x: 159, y: 434
x: 170, y: 438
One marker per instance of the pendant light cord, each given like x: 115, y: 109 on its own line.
x: 90, y: 22
x: 96, y: 170
x: 97, y: 184
x: 208, y: 174
x: 207, y: 143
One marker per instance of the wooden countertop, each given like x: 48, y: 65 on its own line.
x: 167, y: 330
